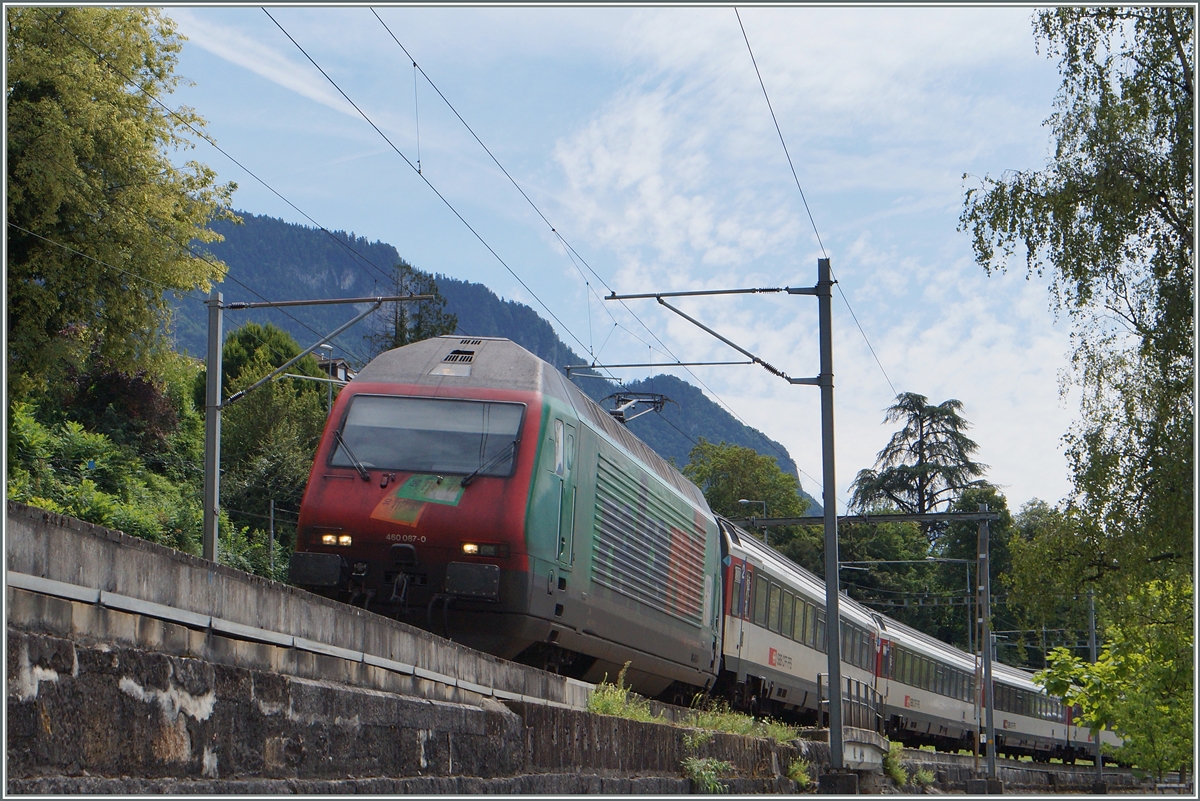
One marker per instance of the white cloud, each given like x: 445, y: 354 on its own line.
x: 657, y: 158
x: 238, y: 48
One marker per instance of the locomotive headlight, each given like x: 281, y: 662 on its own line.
x: 345, y: 540
x: 495, y: 549
x: 329, y: 539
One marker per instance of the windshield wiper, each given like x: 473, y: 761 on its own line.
x: 362, y: 471
x: 467, y: 479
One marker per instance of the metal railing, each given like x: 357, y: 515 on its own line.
x: 861, y: 704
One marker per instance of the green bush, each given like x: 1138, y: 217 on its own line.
x: 706, y: 772
x: 716, y: 715
x: 618, y: 700
x: 892, y: 766
x: 800, y: 772
x: 694, y: 739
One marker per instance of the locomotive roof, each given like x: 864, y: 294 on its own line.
x: 457, y: 361
x: 448, y: 362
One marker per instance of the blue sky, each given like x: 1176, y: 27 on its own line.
x: 643, y: 137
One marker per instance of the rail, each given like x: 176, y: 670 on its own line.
x: 861, y: 704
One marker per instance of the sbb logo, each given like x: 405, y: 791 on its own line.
x: 776, y: 659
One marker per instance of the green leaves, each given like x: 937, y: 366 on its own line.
x: 268, y: 439
x: 1110, y: 219
x: 67, y: 469
x: 89, y: 168
x: 727, y: 473
x: 1140, y: 685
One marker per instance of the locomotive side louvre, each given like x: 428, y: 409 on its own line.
x: 646, y: 553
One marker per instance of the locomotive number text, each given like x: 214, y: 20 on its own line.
x: 405, y: 538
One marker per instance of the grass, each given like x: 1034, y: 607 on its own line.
x: 717, y: 716
x: 706, y: 718
x: 694, y: 739
x: 618, y: 700
x: 706, y: 772
x: 923, y: 777
x: 710, y: 715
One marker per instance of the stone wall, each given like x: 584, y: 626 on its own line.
x: 111, y: 718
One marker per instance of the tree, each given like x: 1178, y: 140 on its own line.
x: 403, y: 323
x: 961, y: 541
x: 1110, y: 217
x: 727, y: 473
x: 250, y: 348
x: 268, y: 439
x: 1041, y: 595
x: 880, y: 586
x: 89, y: 168
x: 65, y: 467
x: 926, y: 464
x: 1141, y: 683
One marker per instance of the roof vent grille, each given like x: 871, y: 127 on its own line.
x: 460, y: 356
x: 470, y: 342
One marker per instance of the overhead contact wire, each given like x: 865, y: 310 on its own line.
x: 428, y: 183
x: 567, y: 245
x: 804, y: 200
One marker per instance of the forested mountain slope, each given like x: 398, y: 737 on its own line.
x: 272, y: 259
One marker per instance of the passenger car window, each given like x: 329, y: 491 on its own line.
x: 773, y: 610
x: 760, y: 599
x: 735, y: 607
x: 785, y: 625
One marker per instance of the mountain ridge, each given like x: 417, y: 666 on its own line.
x: 271, y: 258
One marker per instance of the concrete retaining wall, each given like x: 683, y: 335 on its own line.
x: 106, y: 695
x: 110, y: 716
x: 951, y: 772
x: 127, y: 569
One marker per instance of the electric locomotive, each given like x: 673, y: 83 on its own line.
x: 464, y: 485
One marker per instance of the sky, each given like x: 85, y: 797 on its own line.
x: 647, y: 160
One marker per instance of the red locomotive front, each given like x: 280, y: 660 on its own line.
x: 417, y: 494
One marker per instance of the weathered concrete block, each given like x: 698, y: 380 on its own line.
x: 120, y: 710
x: 838, y: 784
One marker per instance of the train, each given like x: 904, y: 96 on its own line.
x: 465, y: 486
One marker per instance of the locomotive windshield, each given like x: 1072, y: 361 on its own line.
x: 430, y: 435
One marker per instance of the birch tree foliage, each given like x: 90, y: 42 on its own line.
x: 1109, y: 221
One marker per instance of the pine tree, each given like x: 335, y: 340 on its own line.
x: 401, y: 323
